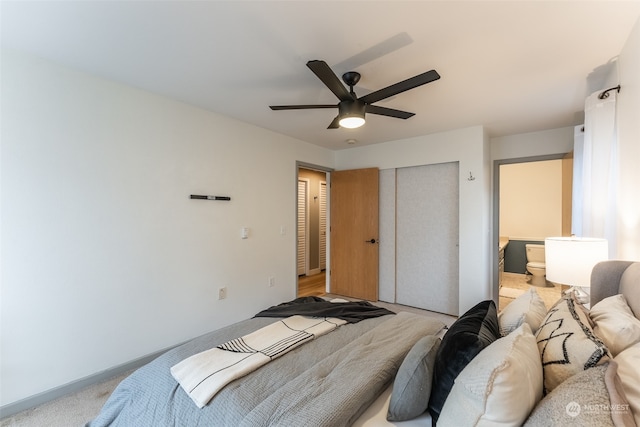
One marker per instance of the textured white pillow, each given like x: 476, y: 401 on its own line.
x: 615, y: 323
x: 526, y: 308
x: 629, y: 372
x: 567, y: 343
x: 591, y: 398
x: 500, y: 386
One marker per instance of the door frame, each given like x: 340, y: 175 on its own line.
x: 327, y: 171
x: 496, y: 211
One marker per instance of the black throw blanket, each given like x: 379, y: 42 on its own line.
x: 352, y: 312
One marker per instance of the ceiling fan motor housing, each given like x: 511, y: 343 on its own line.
x: 351, y: 108
x: 351, y: 113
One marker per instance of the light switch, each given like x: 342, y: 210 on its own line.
x: 244, y: 232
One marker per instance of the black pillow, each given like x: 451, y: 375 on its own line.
x: 472, y: 332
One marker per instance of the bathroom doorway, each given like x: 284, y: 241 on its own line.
x: 532, y: 200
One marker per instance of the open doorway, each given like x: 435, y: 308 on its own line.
x: 532, y: 201
x: 311, y: 213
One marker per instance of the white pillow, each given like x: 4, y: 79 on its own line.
x: 500, y: 386
x: 629, y: 372
x: 526, y: 308
x: 567, y: 343
x: 615, y: 323
x: 591, y: 398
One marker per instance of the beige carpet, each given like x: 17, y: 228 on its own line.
x: 73, y: 410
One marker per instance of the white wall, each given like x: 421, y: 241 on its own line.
x: 532, y: 144
x: 104, y: 257
x: 531, y: 200
x: 628, y: 115
x: 469, y: 147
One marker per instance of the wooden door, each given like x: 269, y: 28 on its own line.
x: 354, y: 233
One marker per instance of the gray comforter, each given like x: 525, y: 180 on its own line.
x: 327, y: 382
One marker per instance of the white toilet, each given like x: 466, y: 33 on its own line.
x: 536, y: 265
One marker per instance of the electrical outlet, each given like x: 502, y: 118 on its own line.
x: 222, y: 293
x: 272, y: 281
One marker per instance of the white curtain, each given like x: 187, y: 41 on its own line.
x: 596, y: 173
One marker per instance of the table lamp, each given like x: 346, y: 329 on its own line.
x: 569, y: 261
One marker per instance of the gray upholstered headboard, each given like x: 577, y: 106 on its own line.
x: 617, y: 277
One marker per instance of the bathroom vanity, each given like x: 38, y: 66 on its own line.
x: 502, y: 244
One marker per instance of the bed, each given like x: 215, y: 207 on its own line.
x: 329, y: 381
x: 487, y: 369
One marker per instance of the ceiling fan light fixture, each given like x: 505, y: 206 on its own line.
x: 351, y: 122
x: 351, y: 109
x: 351, y: 114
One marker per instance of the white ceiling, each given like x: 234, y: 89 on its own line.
x: 512, y: 66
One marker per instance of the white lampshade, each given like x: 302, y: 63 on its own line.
x: 569, y: 260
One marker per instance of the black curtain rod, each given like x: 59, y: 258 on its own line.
x: 605, y: 94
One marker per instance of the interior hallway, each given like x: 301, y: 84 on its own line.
x: 312, y: 285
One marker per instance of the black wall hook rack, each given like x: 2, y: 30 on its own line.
x: 195, y: 196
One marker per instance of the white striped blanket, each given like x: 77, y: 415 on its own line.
x: 205, y: 374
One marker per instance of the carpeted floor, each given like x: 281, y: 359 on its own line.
x: 73, y: 410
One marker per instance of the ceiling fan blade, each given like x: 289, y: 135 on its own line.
x: 329, y: 78
x: 335, y: 124
x: 400, y: 87
x: 390, y: 112
x: 301, y: 107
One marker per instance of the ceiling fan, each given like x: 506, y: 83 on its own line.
x: 351, y: 109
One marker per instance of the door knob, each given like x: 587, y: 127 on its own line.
x: 371, y: 241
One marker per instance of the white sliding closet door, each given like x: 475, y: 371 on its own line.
x: 387, y: 233
x: 427, y: 206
